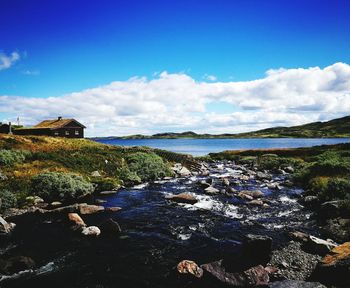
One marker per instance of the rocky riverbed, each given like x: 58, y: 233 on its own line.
x: 233, y: 224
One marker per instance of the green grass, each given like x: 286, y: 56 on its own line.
x: 55, y: 160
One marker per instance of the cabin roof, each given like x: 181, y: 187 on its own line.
x: 56, y: 123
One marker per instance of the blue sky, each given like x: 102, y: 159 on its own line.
x: 70, y: 46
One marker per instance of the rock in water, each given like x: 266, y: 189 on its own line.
x: 295, y: 284
x: 182, y: 198
x: 245, y: 196
x: 190, y: 267
x: 91, y: 231
x: 110, y: 228
x: 256, y: 202
x: 16, y: 264
x: 76, y: 220
x: 184, y: 172
x: 113, y: 209
x: 90, y: 209
x: 249, y: 278
x: 299, y: 236
x: 334, y: 268
x: 226, y: 182
x: 211, y: 190
x: 5, y: 227
x: 263, y: 176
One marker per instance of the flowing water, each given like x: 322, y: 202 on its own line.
x: 158, y: 233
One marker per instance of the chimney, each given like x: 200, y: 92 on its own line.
x: 10, y: 128
x: 59, y: 118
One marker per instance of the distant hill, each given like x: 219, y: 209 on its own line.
x: 337, y: 128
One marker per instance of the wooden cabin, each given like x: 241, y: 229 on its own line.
x: 60, y: 127
x: 5, y: 128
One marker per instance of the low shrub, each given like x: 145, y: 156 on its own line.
x: 248, y: 160
x: 128, y: 177
x: 105, y: 184
x: 7, y: 200
x: 11, y: 157
x: 147, y: 166
x: 57, y: 186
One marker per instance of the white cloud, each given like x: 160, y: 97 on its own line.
x: 210, y: 77
x: 6, y: 61
x: 176, y: 102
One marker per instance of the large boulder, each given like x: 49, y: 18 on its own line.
x: 338, y: 229
x: 5, y: 227
x: 257, y: 249
x: 182, y: 198
x: 319, y: 246
x: 110, y: 228
x: 190, y: 267
x: 311, y: 202
x: 16, y: 264
x: 331, y: 209
x: 334, y: 268
x: 249, y: 278
x: 295, y: 284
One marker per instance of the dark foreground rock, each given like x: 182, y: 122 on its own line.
x: 5, y: 227
x: 293, y: 263
x: 334, y: 269
x: 110, y: 228
x: 256, y: 249
x: 249, y: 278
x: 338, y: 229
x: 16, y: 264
x: 296, y: 284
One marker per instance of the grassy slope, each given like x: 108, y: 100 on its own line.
x: 334, y: 128
x: 78, y: 156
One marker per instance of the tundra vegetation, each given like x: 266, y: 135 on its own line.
x: 59, y: 169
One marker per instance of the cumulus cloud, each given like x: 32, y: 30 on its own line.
x: 6, y: 61
x: 176, y: 102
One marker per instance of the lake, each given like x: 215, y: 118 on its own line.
x: 200, y: 147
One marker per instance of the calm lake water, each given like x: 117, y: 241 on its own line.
x: 200, y: 147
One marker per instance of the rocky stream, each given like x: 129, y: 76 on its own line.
x: 233, y: 225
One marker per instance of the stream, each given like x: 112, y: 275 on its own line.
x: 158, y: 233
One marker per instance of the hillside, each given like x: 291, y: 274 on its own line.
x: 337, y: 128
x: 82, y: 164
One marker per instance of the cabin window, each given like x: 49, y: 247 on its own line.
x: 66, y: 133
x: 76, y: 132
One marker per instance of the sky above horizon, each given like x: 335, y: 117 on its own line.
x: 128, y: 67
